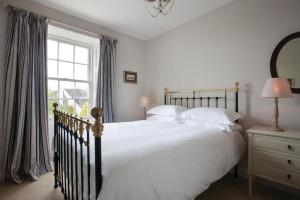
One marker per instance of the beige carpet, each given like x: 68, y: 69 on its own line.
x: 38, y: 190
x: 228, y: 188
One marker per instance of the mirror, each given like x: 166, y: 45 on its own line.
x: 285, y: 61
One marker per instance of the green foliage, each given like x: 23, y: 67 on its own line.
x: 84, y: 110
x: 67, y: 108
x: 52, y: 94
x: 50, y: 107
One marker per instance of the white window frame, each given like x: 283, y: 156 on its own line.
x: 90, y: 67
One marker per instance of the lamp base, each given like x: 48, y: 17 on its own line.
x: 276, y: 128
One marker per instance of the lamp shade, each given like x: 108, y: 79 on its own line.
x: 144, y: 101
x: 277, y: 87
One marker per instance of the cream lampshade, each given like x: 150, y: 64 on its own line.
x: 276, y: 88
x: 144, y: 102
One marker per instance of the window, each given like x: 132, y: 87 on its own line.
x: 69, y: 80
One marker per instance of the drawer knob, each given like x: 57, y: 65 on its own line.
x: 289, y: 177
x: 290, y: 147
x: 289, y: 162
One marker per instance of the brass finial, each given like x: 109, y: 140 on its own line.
x: 55, y: 105
x: 75, y: 125
x: 58, y: 116
x: 97, y: 128
x: 88, y: 125
x: 166, y: 91
x: 65, y: 119
x: 70, y: 123
x: 236, y: 86
x: 81, y: 128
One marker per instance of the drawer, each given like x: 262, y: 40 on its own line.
x: 276, y: 174
x: 277, y: 159
x: 277, y: 144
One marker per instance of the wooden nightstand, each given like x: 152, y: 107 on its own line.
x: 274, y: 156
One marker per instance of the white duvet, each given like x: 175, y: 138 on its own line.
x: 148, y: 160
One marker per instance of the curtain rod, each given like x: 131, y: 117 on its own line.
x: 62, y: 24
x: 74, y: 28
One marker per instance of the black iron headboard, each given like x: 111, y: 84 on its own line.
x: 195, y: 98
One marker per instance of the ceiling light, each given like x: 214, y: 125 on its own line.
x: 155, y: 7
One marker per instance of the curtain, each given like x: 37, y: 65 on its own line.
x: 105, y: 83
x: 26, y: 153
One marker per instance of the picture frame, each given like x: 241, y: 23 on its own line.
x: 130, y: 77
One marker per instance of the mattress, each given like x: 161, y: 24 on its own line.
x: 153, y: 160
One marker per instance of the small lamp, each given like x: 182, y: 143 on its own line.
x: 144, y: 102
x: 276, y: 88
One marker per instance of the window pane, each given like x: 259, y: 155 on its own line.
x: 52, y: 89
x: 65, y: 70
x: 52, y: 49
x: 66, y: 106
x: 52, y: 68
x: 66, y: 52
x: 72, y: 96
x: 66, y: 89
x: 81, y: 90
x: 81, y: 107
x: 81, y: 72
x: 81, y: 55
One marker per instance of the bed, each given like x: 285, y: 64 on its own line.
x: 145, y: 159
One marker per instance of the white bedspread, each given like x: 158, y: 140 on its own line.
x: 147, y: 160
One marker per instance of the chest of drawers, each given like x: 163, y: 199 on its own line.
x: 274, y: 156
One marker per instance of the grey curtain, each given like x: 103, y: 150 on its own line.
x: 26, y: 153
x: 105, y: 84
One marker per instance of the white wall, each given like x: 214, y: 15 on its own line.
x: 232, y: 43
x: 127, y: 95
x: 130, y: 56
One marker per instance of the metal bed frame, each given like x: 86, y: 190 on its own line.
x: 72, y: 139
x: 191, y: 97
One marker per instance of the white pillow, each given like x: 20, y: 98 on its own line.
x: 165, y: 118
x: 224, y: 127
x: 212, y: 115
x: 167, y: 110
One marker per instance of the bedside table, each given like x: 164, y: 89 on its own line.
x: 274, y: 156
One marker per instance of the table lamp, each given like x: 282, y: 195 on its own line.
x: 276, y: 88
x: 145, y: 102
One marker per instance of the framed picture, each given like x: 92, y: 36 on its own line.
x: 130, y: 77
